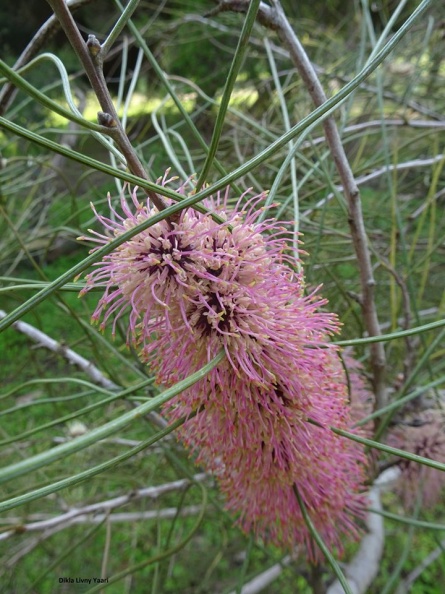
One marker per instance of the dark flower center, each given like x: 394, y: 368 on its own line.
x: 173, y: 252
x: 214, y: 310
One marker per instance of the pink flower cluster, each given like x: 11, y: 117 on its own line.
x: 260, y: 420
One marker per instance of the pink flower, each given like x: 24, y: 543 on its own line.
x: 260, y: 420
x: 422, y: 435
x: 145, y: 274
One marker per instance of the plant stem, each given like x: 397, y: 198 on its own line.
x: 118, y: 27
x: 87, y: 54
x: 352, y: 194
x: 275, y: 19
x: 228, y: 88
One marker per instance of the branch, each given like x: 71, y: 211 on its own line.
x: 74, y: 358
x: 264, y: 579
x: 364, y: 567
x: 91, y: 58
x: 275, y: 19
x: 409, y: 165
x: 162, y: 514
x: 96, y: 512
x: 83, y: 364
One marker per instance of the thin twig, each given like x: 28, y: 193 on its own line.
x: 98, y: 518
x: 90, y: 55
x: 406, y: 165
x: 96, y: 512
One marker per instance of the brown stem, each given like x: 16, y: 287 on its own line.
x: 90, y: 57
x: 274, y: 18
